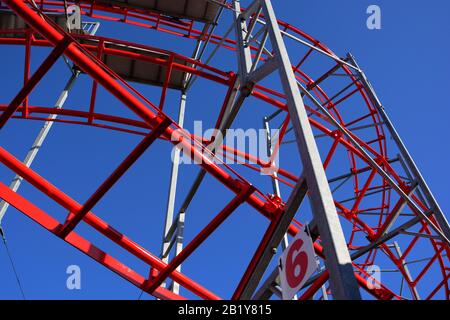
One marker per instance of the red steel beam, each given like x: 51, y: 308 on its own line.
x: 117, y: 237
x: 390, y: 217
x: 61, y: 45
x: 94, y: 68
x: 98, y: 224
x: 129, y: 245
x: 247, y: 190
x: 73, y: 220
x: 52, y: 225
x: 169, y: 68
x: 363, y: 192
x: 91, y: 68
x: 381, y: 294
x: 101, y: 47
x: 26, y: 69
x: 315, y: 286
x: 256, y: 258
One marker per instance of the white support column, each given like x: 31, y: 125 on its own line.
x: 173, y: 188
x: 342, y: 280
x: 38, y: 142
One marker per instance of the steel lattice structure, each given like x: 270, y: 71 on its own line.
x: 389, y: 216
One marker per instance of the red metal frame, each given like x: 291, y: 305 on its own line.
x: 246, y: 191
x: 73, y: 220
x: 34, y: 80
x: 87, y: 57
x: 47, y: 222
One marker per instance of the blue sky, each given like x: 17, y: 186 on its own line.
x: 406, y: 61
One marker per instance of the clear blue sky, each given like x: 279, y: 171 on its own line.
x: 407, y: 61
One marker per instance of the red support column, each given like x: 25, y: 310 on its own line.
x: 101, y: 46
x: 98, y: 224
x: 26, y: 71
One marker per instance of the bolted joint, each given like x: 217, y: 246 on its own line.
x: 247, y: 89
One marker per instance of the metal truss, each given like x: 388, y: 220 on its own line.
x: 313, y: 179
x: 382, y: 199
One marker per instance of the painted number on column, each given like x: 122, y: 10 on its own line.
x: 296, y: 265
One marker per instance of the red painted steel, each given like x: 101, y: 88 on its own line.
x: 73, y: 220
x: 34, y: 80
x: 87, y: 57
x: 246, y: 191
x: 80, y: 243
